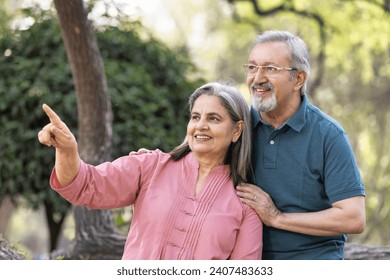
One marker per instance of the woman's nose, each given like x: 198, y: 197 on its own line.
x: 202, y: 124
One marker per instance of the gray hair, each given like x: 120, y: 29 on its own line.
x: 239, y: 153
x: 299, y: 51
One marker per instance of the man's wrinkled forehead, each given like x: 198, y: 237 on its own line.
x: 270, y: 53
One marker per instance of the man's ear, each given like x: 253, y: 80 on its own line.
x: 300, y: 80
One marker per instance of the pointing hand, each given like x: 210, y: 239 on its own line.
x: 56, y: 133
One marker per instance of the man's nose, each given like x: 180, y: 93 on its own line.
x: 259, y: 76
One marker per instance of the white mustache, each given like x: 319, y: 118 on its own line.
x: 266, y: 85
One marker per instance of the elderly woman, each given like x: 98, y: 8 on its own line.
x: 185, y: 203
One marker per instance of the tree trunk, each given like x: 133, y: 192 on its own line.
x: 55, y: 223
x: 93, y: 102
x: 7, y: 253
x: 95, y: 231
x: 360, y: 252
x: 96, y: 237
x: 6, y: 209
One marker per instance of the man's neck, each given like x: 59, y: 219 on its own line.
x: 281, y: 114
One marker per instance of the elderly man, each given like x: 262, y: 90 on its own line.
x: 309, y: 192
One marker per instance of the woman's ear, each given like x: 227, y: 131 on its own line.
x: 238, y: 130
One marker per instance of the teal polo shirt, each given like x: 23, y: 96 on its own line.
x: 305, y: 165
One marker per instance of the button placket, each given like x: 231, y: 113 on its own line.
x: 183, y: 222
x: 271, y: 150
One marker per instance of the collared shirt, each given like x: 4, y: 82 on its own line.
x: 305, y: 165
x: 170, y: 221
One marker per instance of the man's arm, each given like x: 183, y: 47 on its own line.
x: 345, y: 216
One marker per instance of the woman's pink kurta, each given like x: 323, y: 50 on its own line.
x: 170, y: 221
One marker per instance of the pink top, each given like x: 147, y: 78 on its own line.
x: 170, y: 221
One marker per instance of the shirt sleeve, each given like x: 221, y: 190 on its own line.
x: 249, y: 243
x: 108, y: 185
x: 342, y: 178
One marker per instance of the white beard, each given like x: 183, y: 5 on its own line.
x: 264, y: 105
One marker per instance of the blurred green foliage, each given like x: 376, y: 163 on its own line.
x: 147, y: 86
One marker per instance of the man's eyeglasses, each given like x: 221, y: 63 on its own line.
x: 251, y: 69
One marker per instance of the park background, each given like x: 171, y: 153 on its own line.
x: 154, y: 53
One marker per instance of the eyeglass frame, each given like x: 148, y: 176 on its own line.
x: 264, y: 67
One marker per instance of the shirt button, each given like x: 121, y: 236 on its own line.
x: 179, y: 228
x: 187, y: 212
x: 173, y: 244
x: 272, y: 142
x: 191, y: 198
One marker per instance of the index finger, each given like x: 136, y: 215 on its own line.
x: 54, y: 118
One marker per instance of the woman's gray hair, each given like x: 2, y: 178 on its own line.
x: 299, y: 52
x: 239, y: 153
